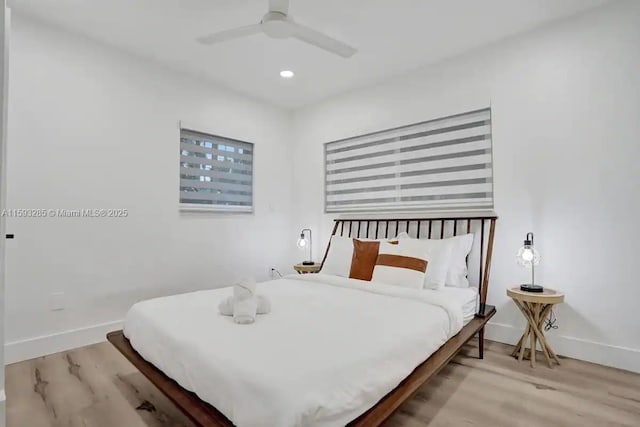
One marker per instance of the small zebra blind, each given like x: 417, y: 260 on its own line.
x: 216, y: 173
x: 439, y: 164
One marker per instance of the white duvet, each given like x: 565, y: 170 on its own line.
x: 328, y: 351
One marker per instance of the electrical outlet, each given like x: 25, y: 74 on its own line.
x: 56, y: 301
x: 274, y: 273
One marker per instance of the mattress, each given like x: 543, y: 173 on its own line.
x: 328, y: 351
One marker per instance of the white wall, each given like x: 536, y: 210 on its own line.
x: 566, y: 128
x: 90, y: 127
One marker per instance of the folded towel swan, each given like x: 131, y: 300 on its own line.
x: 226, y: 305
x: 244, y: 304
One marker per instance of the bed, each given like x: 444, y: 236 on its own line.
x: 334, y: 351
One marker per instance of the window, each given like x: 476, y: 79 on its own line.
x: 216, y: 173
x: 438, y: 164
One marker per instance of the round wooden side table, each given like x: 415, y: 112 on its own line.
x: 535, y: 306
x: 306, y: 269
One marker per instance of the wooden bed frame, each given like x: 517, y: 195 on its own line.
x: 205, y: 415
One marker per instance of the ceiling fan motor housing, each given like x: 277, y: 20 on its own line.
x: 276, y: 25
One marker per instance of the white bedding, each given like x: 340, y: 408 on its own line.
x: 328, y: 351
x: 466, y: 298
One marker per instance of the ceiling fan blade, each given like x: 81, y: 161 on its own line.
x: 234, y: 33
x: 281, y: 6
x: 322, y: 41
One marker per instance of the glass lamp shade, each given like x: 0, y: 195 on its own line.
x: 528, y: 256
x: 303, y: 243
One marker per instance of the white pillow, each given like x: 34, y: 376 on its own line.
x: 457, y: 274
x: 338, y: 260
x: 401, y: 264
x: 403, y: 235
x: 439, y: 257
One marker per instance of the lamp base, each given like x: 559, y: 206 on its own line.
x: 531, y: 288
x: 308, y: 262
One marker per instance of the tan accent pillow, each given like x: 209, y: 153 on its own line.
x: 365, y: 254
x: 363, y: 261
x: 402, y: 264
x: 400, y: 261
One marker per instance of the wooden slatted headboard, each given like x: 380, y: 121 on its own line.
x: 435, y: 227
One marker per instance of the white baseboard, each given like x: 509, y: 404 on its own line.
x: 17, y: 351
x: 577, y: 348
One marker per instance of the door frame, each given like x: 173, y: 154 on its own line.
x: 5, y: 22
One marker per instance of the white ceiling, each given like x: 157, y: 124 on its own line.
x: 392, y: 36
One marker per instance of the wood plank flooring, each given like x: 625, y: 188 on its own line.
x: 95, y: 386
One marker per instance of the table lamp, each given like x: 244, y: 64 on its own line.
x: 528, y: 256
x: 304, y: 243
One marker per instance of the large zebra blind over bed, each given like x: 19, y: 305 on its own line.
x: 444, y: 163
x: 216, y: 173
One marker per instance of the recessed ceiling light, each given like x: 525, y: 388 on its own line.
x: 286, y: 74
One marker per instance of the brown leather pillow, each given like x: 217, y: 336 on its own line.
x: 365, y: 254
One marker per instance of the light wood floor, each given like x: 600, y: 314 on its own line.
x: 96, y: 387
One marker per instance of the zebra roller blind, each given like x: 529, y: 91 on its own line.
x: 216, y: 173
x: 438, y: 164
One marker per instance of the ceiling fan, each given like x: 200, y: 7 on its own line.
x: 277, y: 24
